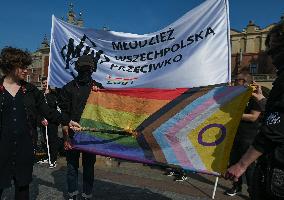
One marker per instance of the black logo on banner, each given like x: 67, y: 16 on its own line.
x: 70, y: 52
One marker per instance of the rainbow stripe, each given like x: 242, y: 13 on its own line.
x: 183, y: 127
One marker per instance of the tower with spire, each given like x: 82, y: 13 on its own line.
x: 39, y: 66
x: 44, y: 43
x: 71, y: 17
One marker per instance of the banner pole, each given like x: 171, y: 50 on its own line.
x: 47, y: 144
x: 46, y: 135
x: 215, y: 187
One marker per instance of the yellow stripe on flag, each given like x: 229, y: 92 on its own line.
x: 116, y: 118
x: 210, y: 155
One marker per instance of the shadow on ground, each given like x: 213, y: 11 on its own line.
x: 103, y: 190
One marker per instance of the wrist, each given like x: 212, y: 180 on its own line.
x: 65, y: 134
x: 66, y: 138
x: 262, y: 98
x: 242, y: 164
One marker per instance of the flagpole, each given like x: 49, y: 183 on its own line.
x: 47, y: 144
x: 215, y: 187
x: 46, y: 134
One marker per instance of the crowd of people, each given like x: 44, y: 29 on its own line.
x: 259, y: 137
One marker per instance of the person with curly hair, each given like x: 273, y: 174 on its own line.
x: 269, y: 143
x: 20, y: 103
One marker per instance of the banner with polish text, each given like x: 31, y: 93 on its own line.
x: 191, y: 52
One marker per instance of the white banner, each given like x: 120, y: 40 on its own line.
x: 193, y: 51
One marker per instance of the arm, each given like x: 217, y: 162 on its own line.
x: 41, y: 120
x: 50, y: 114
x: 65, y: 103
x: 257, y: 105
x: 259, y: 97
x: 67, y: 140
x: 235, y: 171
x: 252, y: 116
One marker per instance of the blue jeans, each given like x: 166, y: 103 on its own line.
x: 88, y: 162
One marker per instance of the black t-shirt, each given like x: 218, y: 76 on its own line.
x: 248, y: 130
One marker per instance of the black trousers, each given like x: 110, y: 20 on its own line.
x: 21, y: 192
x: 268, y: 180
x: 238, y: 150
x: 52, y: 132
x: 88, y: 162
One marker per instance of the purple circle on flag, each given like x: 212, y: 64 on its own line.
x: 218, y: 141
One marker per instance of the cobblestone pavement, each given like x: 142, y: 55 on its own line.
x: 129, y: 181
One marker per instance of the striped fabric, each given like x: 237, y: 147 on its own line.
x: 190, y: 128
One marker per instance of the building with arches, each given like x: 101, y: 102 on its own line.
x: 248, y: 53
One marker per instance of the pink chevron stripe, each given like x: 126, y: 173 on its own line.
x: 179, y: 152
x: 177, y: 148
x: 201, y: 108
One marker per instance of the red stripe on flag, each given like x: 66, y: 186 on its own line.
x: 148, y: 93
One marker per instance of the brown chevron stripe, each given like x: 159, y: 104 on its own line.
x: 161, y: 116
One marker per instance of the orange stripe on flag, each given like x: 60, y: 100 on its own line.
x: 126, y: 103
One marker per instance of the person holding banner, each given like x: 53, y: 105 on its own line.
x: 269, y: 143
x: 19, y: 104
x: 247, y: 130
x: 73, y: 98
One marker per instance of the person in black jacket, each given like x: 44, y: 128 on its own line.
x: 269, y: 175
x: 73, y: 98
x: 50, y: 127
x: 19, y: 104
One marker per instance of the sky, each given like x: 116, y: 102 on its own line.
x: 23, y: 24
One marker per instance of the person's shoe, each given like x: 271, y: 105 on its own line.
x: 170, y: 173
x: 73, y: 198
x: 86, y: 197
x: 233, y: 191
x: 180, y: 178
x: 52, y: 165
x: 44, y: 161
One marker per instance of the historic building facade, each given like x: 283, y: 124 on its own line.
x: 248, y: 53
x: 39, y: 66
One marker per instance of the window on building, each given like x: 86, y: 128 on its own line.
x: 28, y: 78
x: 253, y: 68
x: 33, y: 71
x: 257, y: 45
x: 243, y: 45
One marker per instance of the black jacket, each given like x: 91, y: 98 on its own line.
x: 271, y: 136
x: 16, y: 149
x: 73, y: 97
x: 52, y: 102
